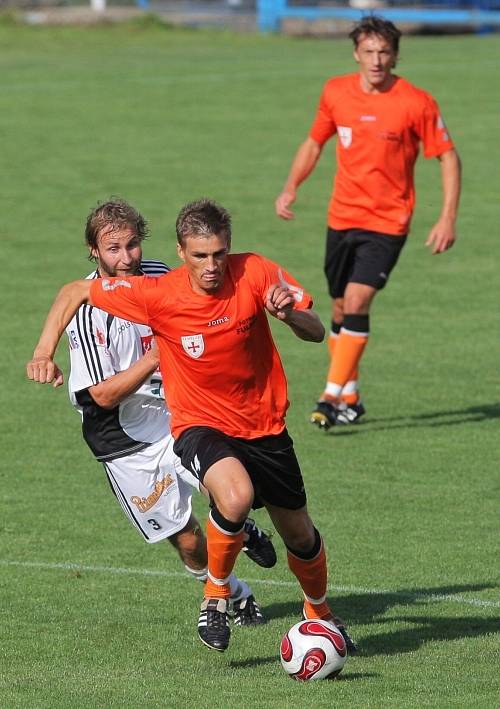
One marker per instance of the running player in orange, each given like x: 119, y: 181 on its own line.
x: 227, y: 392
x: 115, y: 385
x: 380, y: 119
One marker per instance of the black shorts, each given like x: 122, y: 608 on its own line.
x: 270, y: 462
x: 359, y: 256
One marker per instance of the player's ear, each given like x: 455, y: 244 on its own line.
x: 180, y: 252
x: 94, y: 254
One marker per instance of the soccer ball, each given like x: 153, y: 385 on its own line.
x: 313, y: 649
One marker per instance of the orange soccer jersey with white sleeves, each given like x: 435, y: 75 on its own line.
x: 378, y: 143
x: 219, y: 363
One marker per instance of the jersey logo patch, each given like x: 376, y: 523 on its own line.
x: 345, y: 135
x: 107, y: 285
x: 193, y: 345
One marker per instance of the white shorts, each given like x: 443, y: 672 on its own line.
x: 154, y: 489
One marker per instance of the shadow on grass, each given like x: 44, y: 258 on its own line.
x: 419, y: 631
x: 368, y: 608
x: 271, y: 659
x: 364, y: 607
x: 253, y: 662
x: 472, y: 414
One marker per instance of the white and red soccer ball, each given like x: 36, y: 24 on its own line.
x: 313, y: 649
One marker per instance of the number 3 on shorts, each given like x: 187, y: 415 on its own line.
x: 154, y: 524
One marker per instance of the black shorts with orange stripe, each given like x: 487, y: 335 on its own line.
x: 270, y: 462
x: 359, y: 256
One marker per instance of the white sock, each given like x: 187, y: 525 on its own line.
x: 239, y: 589
x: 198, y: 574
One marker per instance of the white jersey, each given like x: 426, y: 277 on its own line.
x: 102, y: 345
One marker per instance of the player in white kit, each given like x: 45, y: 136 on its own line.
x: 116, y: 385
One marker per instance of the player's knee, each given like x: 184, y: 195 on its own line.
x: 357, y: 306
x: 235, y: 508
x: 188, y: 541
x: 191, y: 546
x: 358, y: 301
x: 237, y: 498
x: 237, y: 503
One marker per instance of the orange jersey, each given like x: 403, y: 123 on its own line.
x: 218, y: 360
x: 378, y: 143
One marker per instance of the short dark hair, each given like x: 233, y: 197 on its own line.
x: 116, y: 213
x: 373, y: 24
x: 203, y: 218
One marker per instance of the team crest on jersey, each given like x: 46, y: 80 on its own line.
x: 146, y: 343
x: 345, y: 135
x: 193, y: 345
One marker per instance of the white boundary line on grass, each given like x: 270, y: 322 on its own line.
x: 404, y: 595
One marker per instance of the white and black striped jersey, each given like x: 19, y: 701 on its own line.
x: 102, y: 345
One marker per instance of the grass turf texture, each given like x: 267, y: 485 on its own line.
x: 406, y: 501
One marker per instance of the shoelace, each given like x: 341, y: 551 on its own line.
x: 248, y: 609
x: 216, y: 619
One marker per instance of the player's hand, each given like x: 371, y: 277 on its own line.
x: 44, y: 370
x: 442, y: 236
x: 283, y: 202
x: 154, y: 353
x: 279, y: 302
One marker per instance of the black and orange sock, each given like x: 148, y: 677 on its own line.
x: 332, y: 343
x: 311, y: 572
x: 349, y: 349
x: 224, y: 542
x: 350, y: 393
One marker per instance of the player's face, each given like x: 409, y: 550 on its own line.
x: 376, y: 59
x: 118, y: 252
x: 206, y: 261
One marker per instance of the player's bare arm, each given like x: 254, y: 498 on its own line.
x: 305, y: 324
x: 303, y: 164
x: 443, y: 234
x: 115, y: 389
x: 42, y: 368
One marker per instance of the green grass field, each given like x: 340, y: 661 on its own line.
x: 407, y: 501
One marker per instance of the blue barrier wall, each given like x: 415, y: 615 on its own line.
x: 480, y: 14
